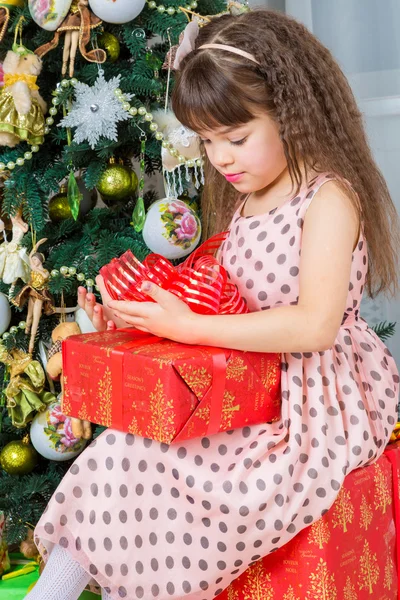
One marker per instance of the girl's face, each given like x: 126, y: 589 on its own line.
x: 250, y: 156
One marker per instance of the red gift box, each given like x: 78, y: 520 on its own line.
x: 164, y: 390
x: 351, y: 553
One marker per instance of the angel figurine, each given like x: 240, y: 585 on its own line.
x: 76, y: 26
x: 14, y: 260
x: 36, y: 294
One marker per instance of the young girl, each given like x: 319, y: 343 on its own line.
x: 282, y: 135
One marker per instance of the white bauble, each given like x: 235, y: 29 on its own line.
x: 5, y: 313
x: 85, y: 324
x: 172, y: 228
x: 49, y: 15
x: 117, y: 11
x: 51, y: 435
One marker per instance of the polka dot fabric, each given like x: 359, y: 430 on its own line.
x: 149, y: 520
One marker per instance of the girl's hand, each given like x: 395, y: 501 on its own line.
x: 101, y: 316
x: 167, y: 317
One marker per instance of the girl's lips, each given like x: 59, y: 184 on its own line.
x: 233, y: 178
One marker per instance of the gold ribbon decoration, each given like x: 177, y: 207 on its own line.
x: 25, y: 394
x: 30, y: 80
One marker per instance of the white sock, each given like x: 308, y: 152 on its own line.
x: 63, y: 578
x: 104, y: 595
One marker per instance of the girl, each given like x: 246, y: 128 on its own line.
x: 281, y: 134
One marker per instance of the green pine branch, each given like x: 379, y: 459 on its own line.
x: 384, y: 330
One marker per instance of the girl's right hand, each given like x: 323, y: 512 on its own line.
x: 101, y: 316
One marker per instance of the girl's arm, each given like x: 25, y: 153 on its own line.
x: 330, y: 233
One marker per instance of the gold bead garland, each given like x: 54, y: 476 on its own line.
x: 170, y: 11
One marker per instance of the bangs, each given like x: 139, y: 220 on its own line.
x: 208, y: 96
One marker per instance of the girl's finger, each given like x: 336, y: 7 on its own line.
x: 81, y: 297
x: 111, y: 326
x: 89, y: 305
x: 131, y: 308
x: 98, y: 320
x: 130, y: 320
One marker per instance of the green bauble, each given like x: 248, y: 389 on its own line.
x: 18, y: 457
x: 134, y: 182
x: 110, y: 44
x: 59, y: 208
x: 115, y: 183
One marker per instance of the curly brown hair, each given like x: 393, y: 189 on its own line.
x: 300, y: 85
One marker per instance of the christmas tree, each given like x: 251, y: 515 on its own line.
x: 54, y: 167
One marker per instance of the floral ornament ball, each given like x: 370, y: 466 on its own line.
x: 172, y: 228
x: 51, y: 435
x: 49, y: 14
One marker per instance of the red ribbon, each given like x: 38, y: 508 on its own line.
x: 215, y: 392
x: 200, y: 281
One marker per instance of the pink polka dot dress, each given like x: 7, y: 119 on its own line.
x: 149, y: 520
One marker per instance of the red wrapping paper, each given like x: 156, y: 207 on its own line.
x: 351, y: 553
x: 164, y: 390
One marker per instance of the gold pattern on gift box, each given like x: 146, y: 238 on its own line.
x: 83, y: 413
x: 233, y: 594
x: 162, y: 421
x: 228, y: 410
x: 66, y: 401
x: 235, y: 368
x: 104, y: 411
x: 257, y: 584
x: 322, y: 584
x: 383, y: 491
x: 349, y: 590
x: 369, y: 569
x: 290, y: 595
x: 134, y: 427
x: 343, y: 511
x: 319, y: 533
x: 197, y: 378
x: 388, y: 575
x: 366, y: 513
x: 270, y: 377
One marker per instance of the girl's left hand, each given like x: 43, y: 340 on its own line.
x: 167, y: 317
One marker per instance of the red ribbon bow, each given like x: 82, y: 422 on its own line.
x: 200, y: 281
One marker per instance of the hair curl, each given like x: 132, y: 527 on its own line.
x: 301, y: 86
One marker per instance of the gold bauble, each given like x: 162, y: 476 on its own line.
x: 110, y: 44
x: 59, y: 208
x: 115, y: 183
x: 18, y: 457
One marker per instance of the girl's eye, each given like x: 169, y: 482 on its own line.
x: 239, y: 142
x: 205, y: 141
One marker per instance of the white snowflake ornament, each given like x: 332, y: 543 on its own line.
x: 96, y: 111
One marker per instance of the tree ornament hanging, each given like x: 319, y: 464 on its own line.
x: 49, y: 14
x: 22, y: 108
x: 186, y: 153
x: 117, y: 11
x: 116, y: 182
x: 139, y: 212
x: 172, y: 229
x: 35, y: 292
x: 110, y: 44
x: 96, y: 111
x: 52, y: 436
x: 18, y: 457
x: 76, y: 26
x: 59, y: 207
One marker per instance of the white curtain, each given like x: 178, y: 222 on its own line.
x: 364, y: 36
